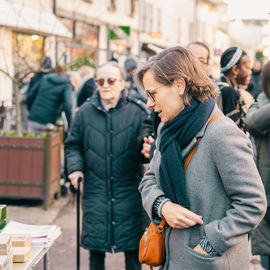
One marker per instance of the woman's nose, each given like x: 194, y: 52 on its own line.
x: 150, y: 103
x: 105, y: 83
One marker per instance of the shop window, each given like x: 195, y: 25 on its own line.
x: 86, y: 34
x: 22, y: 59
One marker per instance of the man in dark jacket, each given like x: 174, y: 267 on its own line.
x: 51, y: 95
x: 101, y: 148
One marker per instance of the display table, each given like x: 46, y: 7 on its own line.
x: 42, y: 239
x: 36, y: 255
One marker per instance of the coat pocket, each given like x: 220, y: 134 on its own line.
x: 197, y: 261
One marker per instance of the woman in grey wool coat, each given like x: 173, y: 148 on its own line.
x: 258, y: 122
x: 212, y: 205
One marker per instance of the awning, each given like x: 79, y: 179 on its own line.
x: 27, y: 18
x: 151, y: 49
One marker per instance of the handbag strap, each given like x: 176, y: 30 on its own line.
x: 161, y: 225
x: 163, y: 221
x: 198, y: 140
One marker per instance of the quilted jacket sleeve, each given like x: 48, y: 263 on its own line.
x: 73, y: 146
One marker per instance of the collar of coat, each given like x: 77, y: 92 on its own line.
x: 200, y: 134
x: 96, y: 100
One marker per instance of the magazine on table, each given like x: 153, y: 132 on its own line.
x: 41, y: 235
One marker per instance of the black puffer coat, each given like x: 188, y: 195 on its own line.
x: 102, y: 144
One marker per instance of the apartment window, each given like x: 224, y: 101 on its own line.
x: 112, y: 5
x: 150, y: 18
x: 159, y: 20
x: 130, y: 7
x: 191, y: 31
x: 179, y: 32
x: 143, y: 16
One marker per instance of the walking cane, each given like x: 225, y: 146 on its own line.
x: 78, y: 222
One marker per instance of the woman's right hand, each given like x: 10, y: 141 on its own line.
x: 73, y: 177
x: 179, y: 217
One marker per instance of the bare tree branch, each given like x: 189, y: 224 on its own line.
x: 7, y: 74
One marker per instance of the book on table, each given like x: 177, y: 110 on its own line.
x: 41, y: 235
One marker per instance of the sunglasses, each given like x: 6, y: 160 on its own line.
x: 110, y: 81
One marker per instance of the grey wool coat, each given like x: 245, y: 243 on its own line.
x: 223, y: 186
x: 258, y: 122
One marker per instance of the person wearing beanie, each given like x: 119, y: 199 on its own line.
x: 130, y: 66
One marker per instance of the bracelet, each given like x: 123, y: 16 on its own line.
x: 158, y: 205
x: 207, y: 247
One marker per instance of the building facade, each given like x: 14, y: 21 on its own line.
x: 105, y: 29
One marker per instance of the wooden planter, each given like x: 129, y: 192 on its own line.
x: 31, y: 167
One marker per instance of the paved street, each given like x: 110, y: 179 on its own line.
x: 62, y: 255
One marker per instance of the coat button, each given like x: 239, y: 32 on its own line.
x: 113, y: 223
x: 113, y: 199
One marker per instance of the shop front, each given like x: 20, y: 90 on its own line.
x: 27, y: 52
x: 24, y: 32
x: 83, y: 44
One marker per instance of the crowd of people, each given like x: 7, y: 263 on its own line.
x: 120, y: 118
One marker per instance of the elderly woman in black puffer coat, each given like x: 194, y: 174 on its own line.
x: 101, y: 148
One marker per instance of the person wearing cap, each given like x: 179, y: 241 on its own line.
x: 236, y: 71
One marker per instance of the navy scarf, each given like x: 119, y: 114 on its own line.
x: 175, y: 136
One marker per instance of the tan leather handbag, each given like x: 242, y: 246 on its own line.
x: 152, y: 243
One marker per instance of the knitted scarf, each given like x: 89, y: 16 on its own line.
x: 175, y: 136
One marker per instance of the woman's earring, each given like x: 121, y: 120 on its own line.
x: 235, y: 75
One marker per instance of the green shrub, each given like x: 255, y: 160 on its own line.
x: 25, y: 134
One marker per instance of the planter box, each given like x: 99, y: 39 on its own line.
x: 31, y: 167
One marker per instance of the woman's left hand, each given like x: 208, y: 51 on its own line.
x: 200, y: 250
x: 179, y: 217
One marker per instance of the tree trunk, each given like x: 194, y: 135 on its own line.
x: 18, y: 109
